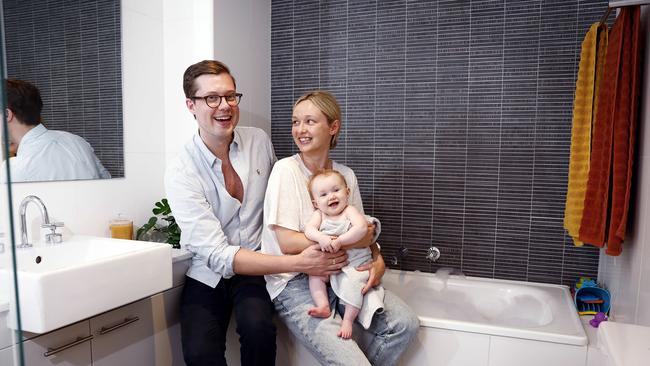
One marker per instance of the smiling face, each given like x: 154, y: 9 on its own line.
x: 329, y: 193
x: 310, y: 129
x: 216, y: 125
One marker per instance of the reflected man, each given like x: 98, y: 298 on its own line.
x: 43, y: 154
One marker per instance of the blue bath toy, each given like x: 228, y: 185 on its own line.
x: 586, y: 282
x: 591, y: 299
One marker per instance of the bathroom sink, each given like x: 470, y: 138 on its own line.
x: 84, y: 276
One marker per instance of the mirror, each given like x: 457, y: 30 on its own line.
x: 71, y: 52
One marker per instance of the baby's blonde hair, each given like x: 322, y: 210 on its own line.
x: 324, y: 173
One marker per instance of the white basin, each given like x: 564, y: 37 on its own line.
x: 84, y: 276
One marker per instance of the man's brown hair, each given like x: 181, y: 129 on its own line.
x: 24, y: 100
x: 212, y: 67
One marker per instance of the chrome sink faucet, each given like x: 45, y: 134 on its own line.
x: 51, y: 238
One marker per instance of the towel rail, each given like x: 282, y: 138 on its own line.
x: 621, y: 3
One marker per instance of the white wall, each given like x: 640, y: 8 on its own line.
x: 628, y: 276
x: 242, y: 40
x: 189, y: 38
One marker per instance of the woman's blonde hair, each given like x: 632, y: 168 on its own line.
x: 328, y: 105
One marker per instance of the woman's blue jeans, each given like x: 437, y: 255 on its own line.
x: 382, y: 344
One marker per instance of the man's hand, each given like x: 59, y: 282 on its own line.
x: 377, y: 267
x: 313, y: 261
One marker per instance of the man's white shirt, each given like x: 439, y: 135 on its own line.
x: 214, y: 225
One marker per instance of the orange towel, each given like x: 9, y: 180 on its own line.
x: 625, y: 131
x: 612, y: 152
x: 589, y: 71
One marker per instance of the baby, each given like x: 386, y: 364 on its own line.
x: 333, y: 225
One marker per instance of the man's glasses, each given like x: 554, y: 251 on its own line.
x: 213, y: 101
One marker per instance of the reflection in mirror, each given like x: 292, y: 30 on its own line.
x: 44, y: 154
x: 71, y: 52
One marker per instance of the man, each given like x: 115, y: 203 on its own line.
x: 216, y: 191
x: 44, y: 154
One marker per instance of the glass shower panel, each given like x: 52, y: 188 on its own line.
x: 11, y: 353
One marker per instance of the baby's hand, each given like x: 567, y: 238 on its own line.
x: 335, y: 244
x: 326, y: 245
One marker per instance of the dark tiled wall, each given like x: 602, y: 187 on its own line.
x: 71, y: 49
x: 457, y: 121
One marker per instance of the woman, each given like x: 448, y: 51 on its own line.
x: 316, y: 122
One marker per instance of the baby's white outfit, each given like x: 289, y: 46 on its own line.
x: 348, y: 283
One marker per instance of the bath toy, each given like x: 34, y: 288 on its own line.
x: 590, y: 298
x: 598, y: 318
x: 585, y: 282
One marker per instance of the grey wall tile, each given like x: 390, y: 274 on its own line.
x: 457, y: 122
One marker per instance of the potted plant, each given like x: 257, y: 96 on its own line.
x: 153, y: 231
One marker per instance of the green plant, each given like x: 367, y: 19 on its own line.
x: 170, y: 232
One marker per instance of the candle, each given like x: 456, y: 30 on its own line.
x: 121, y: 229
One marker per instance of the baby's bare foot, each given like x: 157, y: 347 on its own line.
x: 346, y: 330
x: 322, y: 312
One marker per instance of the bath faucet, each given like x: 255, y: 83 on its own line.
x: 51, y: 238
x: 433, y: 254
x: 401, y: 254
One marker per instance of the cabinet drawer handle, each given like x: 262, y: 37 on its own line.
x: 80, y: 340
x: 126, y: 321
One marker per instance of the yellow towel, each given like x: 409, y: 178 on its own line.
x: 589, y: 72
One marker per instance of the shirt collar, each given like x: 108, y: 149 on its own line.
x: 208, y: 155
x: 31, y: 135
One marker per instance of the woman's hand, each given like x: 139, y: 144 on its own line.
x: 313, y: 261
x: 377, y: 267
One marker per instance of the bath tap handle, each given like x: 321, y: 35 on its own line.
x: 433, y: 254
x: 52, y: 225
x: 403, y: 252
x: 393, y: 260
x: 53, y: 237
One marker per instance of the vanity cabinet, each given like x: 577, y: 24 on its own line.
x: 7, y: 357
x: 143, y: 333
x: 123, y: 336
x: 146, y: 332
x: 66, y: 346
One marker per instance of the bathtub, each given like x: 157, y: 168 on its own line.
x: 522, y: 310
x: 474, y: 322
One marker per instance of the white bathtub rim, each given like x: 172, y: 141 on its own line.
x: 480, y: 279
x: 576, y: 340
